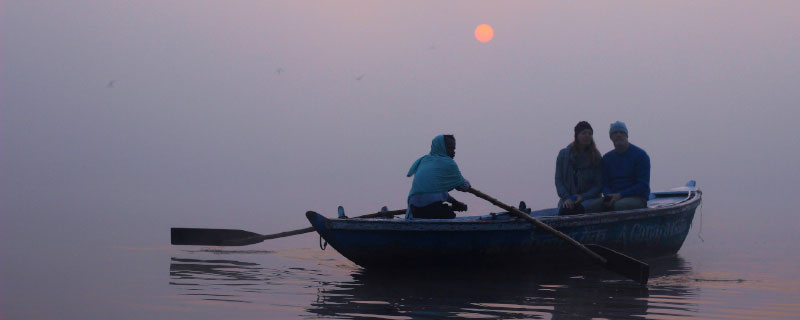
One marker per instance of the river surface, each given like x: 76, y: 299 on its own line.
x: 712, y: 277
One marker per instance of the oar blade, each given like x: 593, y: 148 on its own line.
x: 622, y: 264
x: 210, y: 237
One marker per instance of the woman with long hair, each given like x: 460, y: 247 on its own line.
x: 579, y: 174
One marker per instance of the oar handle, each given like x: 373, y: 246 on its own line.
x: 383, y: 214
x: 538, y: 223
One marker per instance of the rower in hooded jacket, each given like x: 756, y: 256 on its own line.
x: 435, y: 174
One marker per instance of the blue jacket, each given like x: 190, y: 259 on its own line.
x: 627, y: 173
x: 434, y: 175
x: 435, y: 172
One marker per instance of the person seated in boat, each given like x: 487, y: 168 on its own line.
x: 626, y: 172
x: 579, y: 174
x: 435, y: 174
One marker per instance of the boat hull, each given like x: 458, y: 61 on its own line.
x: 498, y: 239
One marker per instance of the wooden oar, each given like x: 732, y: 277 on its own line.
x: 233, y: 237
x: 624, y: 265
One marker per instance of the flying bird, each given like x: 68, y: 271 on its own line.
x: 279, y: 70
x: 360, y: 77
x: 111, y: 84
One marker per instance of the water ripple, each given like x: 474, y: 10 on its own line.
x: 320, y: 286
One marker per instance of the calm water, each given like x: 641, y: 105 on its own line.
x: 119, y: 120
x: 713, y: 277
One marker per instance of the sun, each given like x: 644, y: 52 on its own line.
x: 484, y: 33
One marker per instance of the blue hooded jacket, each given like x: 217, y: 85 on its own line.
x: 435, y: 172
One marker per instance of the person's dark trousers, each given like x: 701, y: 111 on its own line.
x: 576, y: 209
x: 433, y: 211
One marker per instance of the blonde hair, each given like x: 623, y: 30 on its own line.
x: 592, y: 148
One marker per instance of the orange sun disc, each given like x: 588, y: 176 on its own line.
x: 484, y: 33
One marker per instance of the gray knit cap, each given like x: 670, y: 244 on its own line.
x: 618, y: 126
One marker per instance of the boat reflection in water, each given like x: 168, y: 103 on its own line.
x: 319, y: 290
x: 509, y: 293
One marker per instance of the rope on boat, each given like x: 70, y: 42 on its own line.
x: 323, y: 244
x: 700, y: 231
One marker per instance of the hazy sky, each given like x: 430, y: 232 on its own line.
x: 119, y: 119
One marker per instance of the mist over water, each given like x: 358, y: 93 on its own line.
x: 121, y: 120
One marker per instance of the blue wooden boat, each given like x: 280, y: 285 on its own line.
x: 501, y: 238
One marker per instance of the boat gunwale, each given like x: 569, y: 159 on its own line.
x: 373, y: 224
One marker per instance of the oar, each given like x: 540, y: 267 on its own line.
x: 232, y: 237
x: 624, y: 265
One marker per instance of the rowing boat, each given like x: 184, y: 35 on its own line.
x: 503, y: 239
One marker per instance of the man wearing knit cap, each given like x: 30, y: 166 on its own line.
x: 626, y: 172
